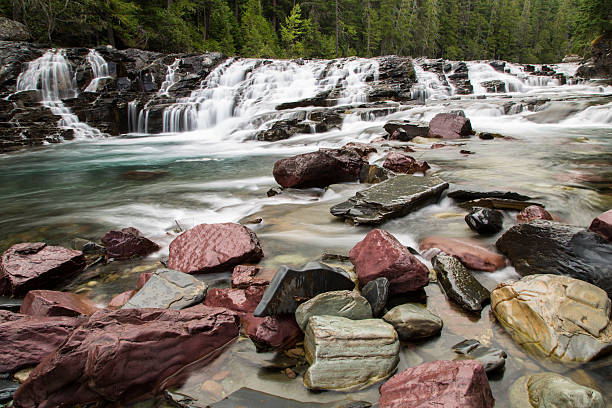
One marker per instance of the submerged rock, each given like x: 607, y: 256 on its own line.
x: 449, y: 126
x: 380, y: 254
x: 468, y: 252
x: 403, y: 163
x: 376, y: 292
x: 343, y: 303
x: 459, y: 284
x: 290, y: 287
x: 492, y: 359
x: 532, y: 213
x: 126, y: 355
x: 544, y: 390
x: 468, y: 195
x: 555, y: 316
x: 53, y: 303
x: 539, y: 247
x: 168, y: 289
x: 214, y: 247
x: 37, y: 266
x: 603, y: 225
x: 413, y: 321
x: 126, y: 243
x: 347, y: 355
x: 485, y: 221
x: 395, y: 197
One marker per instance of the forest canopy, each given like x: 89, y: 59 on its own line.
x: 526, y: 31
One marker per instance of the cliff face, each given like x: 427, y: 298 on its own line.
x: 600, y: 65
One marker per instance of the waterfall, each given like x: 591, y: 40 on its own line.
x: 51, y: 75
x: 100, y: 70
x: 170, y: 78
x: 132, y: 116
x: 429, y: 85
x: 516, y: 80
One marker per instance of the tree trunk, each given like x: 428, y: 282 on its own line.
x: 337, y: 22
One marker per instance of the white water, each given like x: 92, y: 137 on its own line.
x: 170, y: 77
x: 100, y: 69
x: 429, y: 86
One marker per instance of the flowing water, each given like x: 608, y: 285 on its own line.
x: 100, y: 69
x: 207, y: 168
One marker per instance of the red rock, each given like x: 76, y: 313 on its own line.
x: 8, y: 316
x: 36, y: 266
x: 381, y: 255
x: 26, y: 340
x: 243, y: 301
x: 121, y: 299
x: 472, y: 255
x: 437, y: 146
x: 448, y: 384
x: 403, y: 163
x: 533, y: 212
x: 213, y: 248
x: 273, y: 332
x: 318, y: 169
x: 127, y: 243
x: 126, y: 355
x: 603, y: 225
x: 449, y: 126
x: 362, y: 149
x: 245, y: 276
x: 142, y: 279
x: 54, y: 303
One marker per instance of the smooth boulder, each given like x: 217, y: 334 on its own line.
x: 602, y: 225
x: 343, y: 303
x: 380, y: 254
x: 36, y: 265
x: 413, y: 321
x: 377, y: 293
x: 53, y: 303
x: 492, y: 359
x: 347, y: 355
x: 555, y: 316
x: 127, y: 243
x: 543, y: 390
x: 210, y: 248
x: 403, y: 163
x: 468, y: 252
x: 459, y: 284
x: 449, y: 126
x: 485, y: 221
x: 532, y: 213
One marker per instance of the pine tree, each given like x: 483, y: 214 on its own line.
x: 258, y: 38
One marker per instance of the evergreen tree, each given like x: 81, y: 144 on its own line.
x: 258, y: 38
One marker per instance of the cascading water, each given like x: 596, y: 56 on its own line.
x: 429, y: 85
x: 52, y: 77
x: 517, y: 80
x: 100, y: 70
x: 133, y: 116
x: 170, y: 77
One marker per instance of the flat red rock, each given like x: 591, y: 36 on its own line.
x: 54, y: 303
x: 472, y: 255
x: 603, y: 225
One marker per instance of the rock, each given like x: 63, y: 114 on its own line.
x: 273, y: 332
x: 492, y: 359
x: 395, y: 197
x: 600, y: 64
x: 168, y: 289
x: 36, y: 266
x: 449, y: 126
x: 242, y: 301
x: 603, y: 225
x: 555, y: 316
x: 485, y: 221
x: 214, y: 247
x: 26, y: 340
x: 127, y: 243
x: 11, y: 30
x: 343, y: 303
x: 87, y: 247
x: 498, y: 203
x: 494, y: 86
x: 142, y: 279
x: 290, y: 287
x: 346, y: 355
x: 245, y: 276
x: 380, y: 254
x: 408, y: 130
x: 7, y: 388
x: 488, y: 136
x: 552, y: 390
x: 413, y: 321
x: 403, y: 163
x: 53, y: 303
x: 126, y: 355
x: 376, y: 292
x: 459, y: 284
x: 121, y: 299
x: 468, y: 195
x: 448, y: 384
x: 548, y: 247
x: 468, y: 252
x: 318, y: 169
x: 362, y: 149
x: 320, y: 100
x: 373, y: 174
x: 533, y: 212
x: 283, y: 129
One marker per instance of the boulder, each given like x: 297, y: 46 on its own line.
x: 210, y: 248
x: 380, y: 254
x: 468, y: 252
x: 53, y: 303
x: 11, y: 30
x: 532, y: 213
x: 376, y: 292
x: 448, y: 384
x: 413, y: 321
x: 318, y: 169
x: 373, y: 174
x: 37, y: 266
x: 121, y: 299
x: 364, y: 150
x: 449, y: 126
x: 539, y: 246
x: 392, y: 198
x: 289, y: 287
x: 126, y: 243
x: 555, y: 316
x: 543, y: 390
x: 408, y: 130
x: 343, y: 303
x: 168, y: 289
x: 459, y: 284
x: 241, y: 301
x: 403, y: 163
x: 603, y: 225
x: 346, y: 355
x: 485, y: 221
x: 126, y: 355
x: 468, y: 195
x: 273, y: 332
x: 492, y: 359
x: 26, y: 340
x: 244, y: 276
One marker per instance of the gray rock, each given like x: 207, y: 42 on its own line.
x: 343, y: 303
x: 467, y: 195
x: 395, y: 197
x: 491, y: 358
x: 347, y: 355
x: 499, y: 204
x: 168, y: 289
x: 377, y: 293
x: 485, y: 220
x: 545, y: 390
x: 459, y: 284
x: 413, y: 321
x: 11, y: 30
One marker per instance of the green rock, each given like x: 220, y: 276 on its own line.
x: 343, y: 303
x: 459, y: 284
x: 550, y: 390
x: 413, y: 321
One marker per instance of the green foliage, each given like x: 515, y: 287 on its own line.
x: 293, y: 32
x: 258, y: 38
